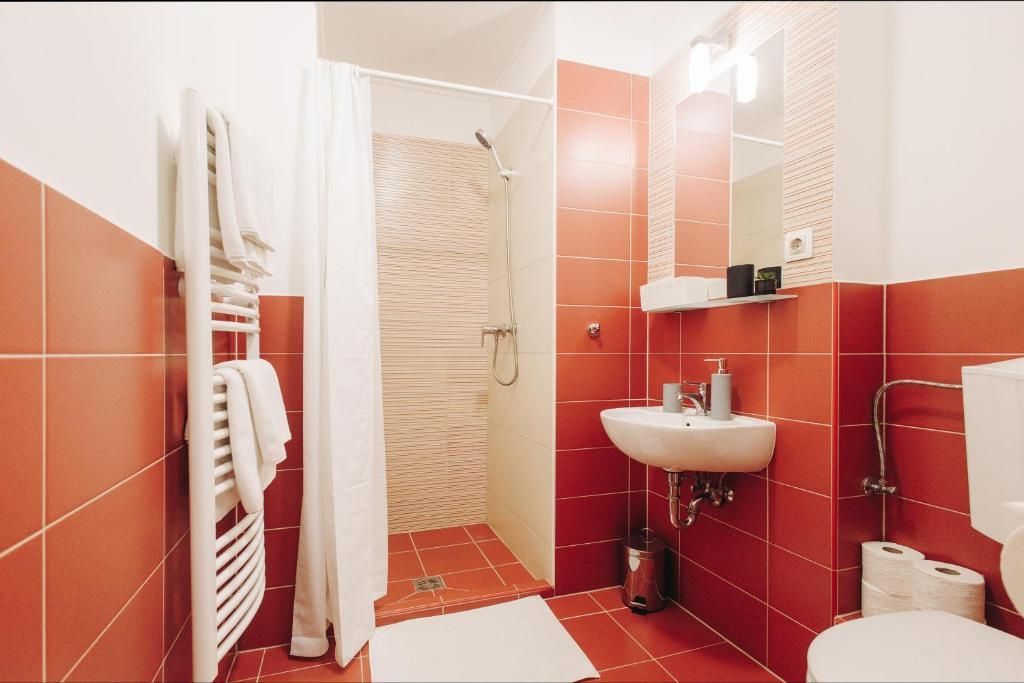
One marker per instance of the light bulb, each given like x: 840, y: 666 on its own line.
x: 746, y: 79
x: 700, y: 67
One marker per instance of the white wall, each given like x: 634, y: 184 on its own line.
x: 956, y: 149
x: 636, y: 37
x: 91, y: 100
x: 433, y: 114
x: 860, y: 212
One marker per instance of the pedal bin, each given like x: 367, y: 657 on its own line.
x: 643, y: 565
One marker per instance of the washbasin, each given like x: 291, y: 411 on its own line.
x: 686, y: 442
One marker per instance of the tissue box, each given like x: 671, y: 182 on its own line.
x: 671, y: 293
x: 716, y: 288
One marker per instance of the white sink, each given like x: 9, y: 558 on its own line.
x: 684, y: 442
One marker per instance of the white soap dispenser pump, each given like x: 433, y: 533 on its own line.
x: 721, y: 391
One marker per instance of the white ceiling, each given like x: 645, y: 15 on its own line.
x: 463, y: 42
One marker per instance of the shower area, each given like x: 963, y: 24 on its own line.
x: 464, y: 192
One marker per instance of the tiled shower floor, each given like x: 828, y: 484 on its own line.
x: 476, y: 567
x: 669, y: 645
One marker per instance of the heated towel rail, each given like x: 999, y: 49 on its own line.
x: 228, y: 570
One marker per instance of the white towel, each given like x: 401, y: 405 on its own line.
x: 252, y: 176
x: 258, y: 428
x: 235, y: 202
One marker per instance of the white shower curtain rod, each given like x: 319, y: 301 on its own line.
x: 403, y: 78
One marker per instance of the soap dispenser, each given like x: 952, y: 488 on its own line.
x: 721, y: 391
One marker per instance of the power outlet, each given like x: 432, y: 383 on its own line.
x: 798, y: 245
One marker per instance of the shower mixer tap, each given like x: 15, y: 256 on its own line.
x: 496, y: 330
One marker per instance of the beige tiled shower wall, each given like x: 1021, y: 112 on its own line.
x: 520, y: 450
x: 809, y: 128
x: 432, y: 200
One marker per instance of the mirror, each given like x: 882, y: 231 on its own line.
x: 729, y: 153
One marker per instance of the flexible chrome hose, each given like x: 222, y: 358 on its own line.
x: 513, y: 329
x: 881, y: 485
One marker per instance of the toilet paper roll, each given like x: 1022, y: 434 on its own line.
x: 949, y: 588
x: 889, y: 566
x: 874, y: 601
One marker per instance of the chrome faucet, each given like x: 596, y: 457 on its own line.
x: 698, y: 400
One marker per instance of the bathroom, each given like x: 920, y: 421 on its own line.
x: 536, y: 221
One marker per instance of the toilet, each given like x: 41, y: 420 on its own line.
x: 915, y: 646
x: 937, y: 646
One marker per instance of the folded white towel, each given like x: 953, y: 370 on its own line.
x: 252, y: 177
x: 257, y: 426
x: 234, y: 202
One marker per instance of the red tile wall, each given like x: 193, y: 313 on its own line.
x: 94, y: 545
x: 933, y: 328
x: 602, y: 260
x: 762, y: 569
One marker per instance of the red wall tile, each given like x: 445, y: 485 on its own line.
x: 663, y: 332
x: 749, y: 511
x: 592, y: 377
x: 800, y: 387
x: 101, y: 414
x: 856, y: 458
x: 803, y: 456
x: 800, y: 589
x: 92, y: 571
x: 594, y: 186
x: 572, y: 323
x: 662, y: 368
x: 972, y: 303
x: 591, y: 471
x: 593, y: 89
x: 848, y: 590
x: 638, y: 227
x: 282, y: 548
x: 593, y: 234
x: 658, y: 520
x: 281, y: 324
x: 787, y: 647
x: 861, y: 316
x: 736, y: 615
x: 592, y: 282
x: 131, y: 649
x: 21, y: 456
x: 737, y: 557
x: 640, y: 97
x: 593, y: 137
x: 590, y: 519
x: 638, y: 191
x: 800, y: 522
x: 21, y: 574
x: 289, y: 374
x: 586, y: 567
x: 928, y: 466
x: 738, y: 329
x: 282, y: 500
x: 104, y: 287
x: 579, y: 424
x: 858, y: 519
x: 640, y: 137
x: 21, y: 259
x: 272, y: 624
x: 859, y: 379
x: 177, y: 591
x: 804, y: 324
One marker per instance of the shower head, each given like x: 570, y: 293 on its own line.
x: 485, y: 140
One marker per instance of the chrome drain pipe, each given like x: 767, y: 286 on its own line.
x: 703, y: 490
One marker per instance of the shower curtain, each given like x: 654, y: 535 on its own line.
x: 342, y: 565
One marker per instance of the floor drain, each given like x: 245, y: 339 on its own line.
x: 428, y: 583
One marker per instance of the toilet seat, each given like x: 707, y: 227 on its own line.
x: 915, y: 646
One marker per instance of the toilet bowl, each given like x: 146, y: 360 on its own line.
x: 914, y: 646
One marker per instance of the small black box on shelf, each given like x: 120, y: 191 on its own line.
x: 739, y: 280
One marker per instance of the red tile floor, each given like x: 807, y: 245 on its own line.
x: 670, y: 645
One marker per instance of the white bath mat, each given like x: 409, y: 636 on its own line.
x: 519, y: 640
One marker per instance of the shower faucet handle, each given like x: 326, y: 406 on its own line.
x: 496, y: 330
